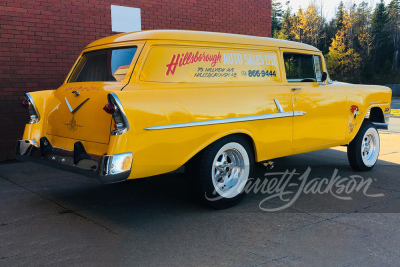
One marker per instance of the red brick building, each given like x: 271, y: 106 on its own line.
x: 41, y: 39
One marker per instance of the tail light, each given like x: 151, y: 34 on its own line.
x: 30, y: 105
x: 25, y: 104
x: 114, y: 107
x: 109, y: 108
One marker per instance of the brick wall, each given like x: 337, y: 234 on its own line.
x: 41, y: 39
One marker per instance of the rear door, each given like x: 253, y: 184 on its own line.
x: 77, y: 111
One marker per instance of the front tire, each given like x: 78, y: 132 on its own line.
x: 363, y: 151
x: 221, y: 171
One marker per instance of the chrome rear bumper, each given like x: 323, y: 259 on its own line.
x: 108, y: 168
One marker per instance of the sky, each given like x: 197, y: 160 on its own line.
x: 329, y: 7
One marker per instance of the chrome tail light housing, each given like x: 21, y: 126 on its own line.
x: 30, y: 105
x: 121, y: 122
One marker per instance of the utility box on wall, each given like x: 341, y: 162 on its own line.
x: 41, y: 40
x: 125, y: 19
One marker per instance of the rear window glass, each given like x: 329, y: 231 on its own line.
x: 109, y: 65
x: 299, y: 67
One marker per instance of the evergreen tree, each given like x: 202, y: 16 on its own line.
x: 394, y: 31
x: 277, y: 16
x: 381, y: 43
x: 342, y: 60
x: 362, y: 43
x: 284, y: 32
x: 339, y: 16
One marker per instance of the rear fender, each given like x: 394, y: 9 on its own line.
x: 36, y: 130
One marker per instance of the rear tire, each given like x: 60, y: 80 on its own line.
x: 221, y: 171
x: 363, y: 151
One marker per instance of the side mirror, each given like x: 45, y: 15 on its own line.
x: 324, y: 77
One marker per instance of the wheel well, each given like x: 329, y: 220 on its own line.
x: 376, y: 115
x: 250, y: 141
x: 247, y: 137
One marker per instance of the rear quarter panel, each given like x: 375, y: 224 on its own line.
x: 41, y: 100
x: 161, y: 151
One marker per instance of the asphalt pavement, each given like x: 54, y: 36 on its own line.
x: 51, y: 217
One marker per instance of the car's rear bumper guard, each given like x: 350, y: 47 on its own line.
x: 108, y: 168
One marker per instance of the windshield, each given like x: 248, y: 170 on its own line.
x: 109, y: 65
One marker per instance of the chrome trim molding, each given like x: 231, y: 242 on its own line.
x: 298, y: 113
x: 383, y: 126
x: 33, y: 119
x: 78, y: 107
x: 119, y: 105
x: 107, y: 168
x: 69, y: 106
x: 278, y: 106
x: 231, y: 120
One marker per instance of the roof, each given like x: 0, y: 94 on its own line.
x: 201, y: 36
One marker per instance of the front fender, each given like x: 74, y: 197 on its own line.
x: 366, y: 98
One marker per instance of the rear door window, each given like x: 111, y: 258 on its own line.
x: 108, y: 65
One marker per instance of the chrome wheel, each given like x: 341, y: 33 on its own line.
x: 370, y: 147
x: 230, y: 170
x: 363, y: 150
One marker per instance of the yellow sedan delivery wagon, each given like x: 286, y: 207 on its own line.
x: 146, y: 103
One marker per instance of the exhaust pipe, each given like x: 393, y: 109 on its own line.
x: 269, y: 165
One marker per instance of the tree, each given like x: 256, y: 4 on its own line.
x: 343, y: 60
x: 339, y: 16
x: 284, y: 32
x: 277, y: 17
x: 362, y: 29
x: 362, y: 42
x: 313, y: 25
x: 394, y: 31
x: 381, y: 43
x: 298, y: 24
x: 309, y: 25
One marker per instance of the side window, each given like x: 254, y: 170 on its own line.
x: 300, y: 67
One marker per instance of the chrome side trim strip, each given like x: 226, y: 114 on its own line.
x: 383, y: 126
x: 231, y: 120
x: 34, y: 108
x: 298, y: 113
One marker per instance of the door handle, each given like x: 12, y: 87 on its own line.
x: 297, y: 90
